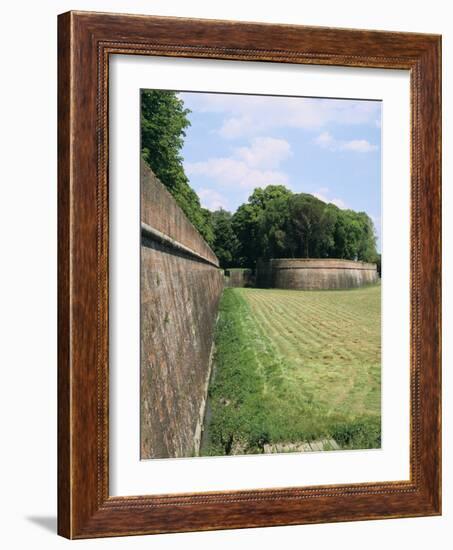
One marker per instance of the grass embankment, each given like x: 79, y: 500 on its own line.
x: 295, y: 366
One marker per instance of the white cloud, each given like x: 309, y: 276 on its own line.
x: 235, y: 127
x: 233, y: 172
x: 249, y: 115
x: 358, y: 145
x: 327, y: 141
x: 322, y: 194
x: 212, y: 199
x: 247, y: 167
x: 265, y: 152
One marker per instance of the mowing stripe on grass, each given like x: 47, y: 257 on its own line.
x: 293, y: 366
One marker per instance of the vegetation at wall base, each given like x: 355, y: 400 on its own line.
x: 294, y: 366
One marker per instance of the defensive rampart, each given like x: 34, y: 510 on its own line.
x: 315, y: 274
x: 181, y: 286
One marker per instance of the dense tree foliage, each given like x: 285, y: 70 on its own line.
x: 260, y: 224
x: 276, y: 223
x: 164, y: 120
x: 225, y: 244
x: 273, y: 223
x: 311, y: 226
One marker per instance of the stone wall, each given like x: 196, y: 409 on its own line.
x: 181, y: 286
x: 239, y: 277
x: 315, y: 274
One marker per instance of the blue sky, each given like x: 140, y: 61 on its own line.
x: 328, y: 147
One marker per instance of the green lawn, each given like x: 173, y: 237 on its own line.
x: 293, y: 366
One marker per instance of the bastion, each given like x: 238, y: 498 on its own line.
x: 315, y: 274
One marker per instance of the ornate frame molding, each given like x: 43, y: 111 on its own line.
x: 86, y: 40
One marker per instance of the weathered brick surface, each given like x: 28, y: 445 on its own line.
x: 315, y: 274
x: 160, y: 211
x: 180, y: 294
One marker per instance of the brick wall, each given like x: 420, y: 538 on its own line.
x: 181, y: 286
x: 315, y: 274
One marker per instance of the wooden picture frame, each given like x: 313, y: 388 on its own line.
x: 85, y: 42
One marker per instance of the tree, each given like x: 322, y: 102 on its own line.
x: 164, y: 120
x: 225, y: 243
x: 272, y: 228
x: 366, y: 250
x: 276, y: 223
x: 245, y: 224
x: 355, y: 237
x: 312, y: 224
x: 273, y: 221
x: 260, y: 224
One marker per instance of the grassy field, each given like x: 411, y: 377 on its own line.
x: 293, y: 366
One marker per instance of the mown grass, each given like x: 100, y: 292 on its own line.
x: 295, y: 366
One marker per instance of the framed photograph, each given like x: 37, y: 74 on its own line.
x: 249, y: 275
